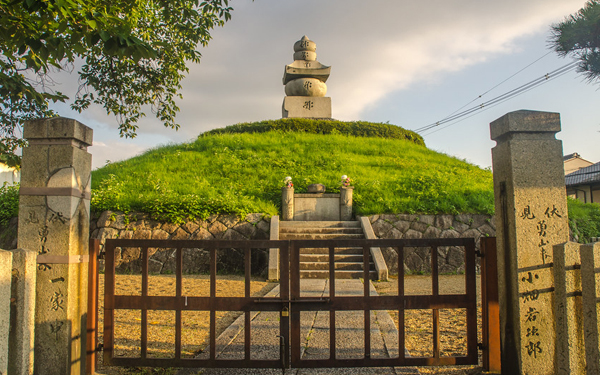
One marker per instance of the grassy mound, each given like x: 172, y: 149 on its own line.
x: 230, y: 171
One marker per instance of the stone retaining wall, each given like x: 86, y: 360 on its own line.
x: 416, y: 260
x: 216, y: 227
x: 256, y: 226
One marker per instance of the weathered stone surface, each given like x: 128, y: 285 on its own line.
x: 459, y: 226
x: 254, y: 218
x: 432, y: 232
x: 394, y: 233
x: 391, y: 259
x: 217, y: 229
x: 142, y: 234
x: 246, y: 229
x: 105, y: 219
x: 263, y: 225
x: 427, y: 219
x: 381, y: 228
x: 21, y: 338
x: 107, y: 233
x: 180, y: 234
x: 6, y: 262
x: 316, y: 188
x: 402, y: 226
x: 231, y: 234
x: 202, y: 234
x: 413, y: 234
x: 169, y: 227
x: 159, y: 234
x: 229, y: 220
x: 449, y: 233
x: 444, y: 221
x: 190, y: 227
x: 529, y: 191
x: 57, y: 226
x: 419, y: 226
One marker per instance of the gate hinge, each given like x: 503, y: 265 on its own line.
x: 100, y: 347
x: 480, y: 346
x: 479, y: 253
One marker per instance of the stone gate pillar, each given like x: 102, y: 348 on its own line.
x: 531, y: 210
x: 54, y: 221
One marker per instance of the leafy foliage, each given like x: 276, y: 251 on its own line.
x: 134, y: 54
x: 9, y: 203
x: 584, y: 219
x: 355, y: 128
x: 579, y: 35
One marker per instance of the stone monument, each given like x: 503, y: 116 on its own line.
x: 531, y: 212
x: 54, y: 220
x: 304, y: 81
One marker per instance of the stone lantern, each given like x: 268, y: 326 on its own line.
x: 304, y: 81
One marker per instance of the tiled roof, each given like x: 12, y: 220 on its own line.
x: 570, y: 156
x: 584, y: 176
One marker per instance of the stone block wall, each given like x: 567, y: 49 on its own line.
x: 416, y: 260
x: 111, y: 225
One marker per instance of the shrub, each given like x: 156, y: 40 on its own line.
x: 584, y: 219
x: 9, y: 203
x: 354, y: 128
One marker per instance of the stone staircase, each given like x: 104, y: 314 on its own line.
x: 314, y: 262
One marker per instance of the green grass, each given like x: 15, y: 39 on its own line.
x: 584, y: 219
x: 241, y: 173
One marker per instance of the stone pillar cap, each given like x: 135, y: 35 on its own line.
x: 58, y: 128
x: 525, y: 121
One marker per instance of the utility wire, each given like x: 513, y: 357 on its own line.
x: 512, y: 93
x: 481, y: 95
x: 482, y: 108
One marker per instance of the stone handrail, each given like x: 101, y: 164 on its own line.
x: 380, y: 266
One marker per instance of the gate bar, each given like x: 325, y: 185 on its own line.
x: 490, y: 307
x: 92, y: 308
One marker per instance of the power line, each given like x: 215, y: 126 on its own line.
x: 503, y: 97
x: 481, y: 95
x: 482, y: 109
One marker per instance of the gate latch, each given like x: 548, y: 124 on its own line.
x: 285, y: 312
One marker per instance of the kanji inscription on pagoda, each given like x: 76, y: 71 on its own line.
x: 304, y: 81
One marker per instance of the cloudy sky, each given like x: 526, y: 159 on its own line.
x: 411, y: 63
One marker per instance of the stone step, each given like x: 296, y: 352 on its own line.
x: 319, y: 224
x: 338, y: 274
x: 324, y: 266
x: 325, y: 258
x: 335, y: 230
x: 319, y: 236
x: 337, y: 250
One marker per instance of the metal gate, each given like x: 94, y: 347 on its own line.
x: 291, y: 303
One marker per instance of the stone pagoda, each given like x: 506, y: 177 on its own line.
x: 304, y: 81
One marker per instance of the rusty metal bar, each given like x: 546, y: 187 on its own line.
x: 284, y: 293
x: 295, y: 295
x: 213, y: 292
x: 178, y: 295
x: 471, y: 291
x: 109, y: 301
x: 247, y: 327
x: 92, y: 314
x: 247, y: 273
x: 144, y: 343
x: 332, y: 333
x: 400, y: 309
x: 490, y: 306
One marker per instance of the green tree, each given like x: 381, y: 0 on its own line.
x: 130, y: 54
x: 579, y: 36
